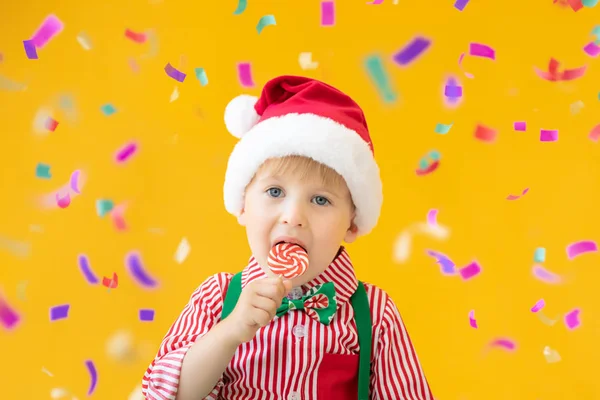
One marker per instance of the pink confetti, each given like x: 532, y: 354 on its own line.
x: 432, y: 216
x: 520, y: 126
x: 126, y: 152
x: 548, y: 135
x: 572, y: 320
x: 538, y: 306
x: 245, y: 74
x: 472, y: 320
x: 118, y: 219
x: 74, y: 181
x: 460, y: 60
x: 375, y: 2
x: 584, y: 246
x: 545, y: 276
x: 515, y: 197
x: 504, y: 343
x: 9, y: 318
x: 592, y: 49
x: 136, y: 37
x: 51, y: 124
x: 595, y: 133
x: 482, y: 50
x: 470, y: 270
x: 51, y: 27
x: 327, y: 13
x: 63, y: 202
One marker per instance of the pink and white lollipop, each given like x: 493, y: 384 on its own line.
x: 288, y: 260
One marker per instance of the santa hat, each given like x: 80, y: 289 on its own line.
x: 302, y: 116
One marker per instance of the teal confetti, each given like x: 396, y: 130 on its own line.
x: 443, y: 128
x: 380, y: 78
x: 43, y: 171
x: 241, y: 7
x: 108, y: 109
x: 540, y: 255
x: 103, y: 207
x: 435, y: 155
x: 201, y: 75
x: 589, y: 3
x: 423, y: 163
x: 265, y: 20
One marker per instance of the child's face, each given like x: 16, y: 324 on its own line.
x: 286, y: 205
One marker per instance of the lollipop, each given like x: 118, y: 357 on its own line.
x: 288, y: 260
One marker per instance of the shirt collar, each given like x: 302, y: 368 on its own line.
x: 340, y: 272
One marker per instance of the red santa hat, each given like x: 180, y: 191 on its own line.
x: 302, y: 116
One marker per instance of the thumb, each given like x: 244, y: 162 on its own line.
x: 287, y: 284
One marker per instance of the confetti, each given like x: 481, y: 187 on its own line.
x: 43, y: 171
x: 589, y: 3
x: 482, y: 50
x: 19, y: 249
x: 451, y: 101
x: 461, y: 4
x: 327, y: 13
x: 470, y: 271
x: 375, y: 2
x: 118, y: 219
x: 51, y: 124
x: 595, y: 133
x: 120, y: 346
x: 59, y: 312
x: 265, y: 20
x: 504, y: 343
x: 86, y: 269
x: 135, y: 68
x: 516, y: 197
x: 174, y: 95
x: 584, y: 246
x: 380, y: 78
x: 460, y: 60
x: 432, y: 216
x: 183, y: 250
x: 93, y: 376
x: 453, y: 91
x: 539, y: 255
x: 51, y: 27
x: 575, y: 5
x: 576, y: 107
x: 241, y: 7
x: 58, y: 393
x: 146, y: 315
x: 545, y: 276
x: 547, y: 321
x: 111, y: 283
x: 554, y: 75
x: 520, y: 126
x: 402, y: 245
x: 551, y: 355
x: 9, y: 318
x: 442, y: 129
x: 126, y: 152
x: 136, y: 37
x: 472, y: 320
x: 84, y: 40
x: 548, y: 135
x: 63, y: 202
x: 12, y: 86
x: 73, y: 181
x: 411, y: 51
x: 30, y: 49
x: 306, y: 62
x: 201, y: 76
x: 446, y: 265
x: 44, y: 370
x: 592, y: 49
x: 538, y: 306
x: 174, y: 73
x: 572, y: 320
x: 104, y: 206
x: 429, y: 163
x: 108, y: 109
x: 485, y: 134
x: 245, y: 74
x: 137, y: 271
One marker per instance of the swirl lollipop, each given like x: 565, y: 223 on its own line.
x: 288, y: 260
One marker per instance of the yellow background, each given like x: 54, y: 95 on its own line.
x: 174, y: 183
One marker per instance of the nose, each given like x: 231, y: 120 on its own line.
x: 294, y: 215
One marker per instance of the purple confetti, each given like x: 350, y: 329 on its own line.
x: 146, y: 314
x: 453, y: 91
x: 93, y: 376
x: 446, y: 265
x: 59, y: 312
x: 461, y: 4
x: 8, y: 316
x: 174, y: 73
x: 30, y: 50
x: 84, y: 266
x: 126, y: 152
x: 137, y: 271
x: 412, y: 50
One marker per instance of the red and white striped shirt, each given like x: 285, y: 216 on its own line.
x: 283, y: 359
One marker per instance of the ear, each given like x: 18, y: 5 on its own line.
x: 242, y: 218
x: 351, y: 233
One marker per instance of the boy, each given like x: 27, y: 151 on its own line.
x: 303, y: 172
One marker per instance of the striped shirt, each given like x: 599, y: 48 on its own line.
x: 283, y: 359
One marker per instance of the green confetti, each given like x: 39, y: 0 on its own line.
x: 103, y: 207
x: 201, y: 75
x: 108, y: 109
x: 241, y: 7
x: 380, y: 78
x: 443, y: 128
x: 265, y: 20
x: 43, y: 171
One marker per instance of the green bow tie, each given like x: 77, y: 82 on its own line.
x: 319, y: 303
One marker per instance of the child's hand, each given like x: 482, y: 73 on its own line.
x: 257, y: 306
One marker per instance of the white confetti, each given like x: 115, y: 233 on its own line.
x: 119, y: 346
x: 175, y: 94
x: 39, y: 120
x: 58, y: 393
x: 551, y: 355
x: 306, y: 62
x: 183, y: 250
x: 84, y: 41
x: 44, y: 370
x: 402, y: 247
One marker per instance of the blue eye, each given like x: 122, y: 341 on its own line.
x: 274, y: 192
x: 321, y: 201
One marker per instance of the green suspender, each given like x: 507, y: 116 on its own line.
x: 362, y: 317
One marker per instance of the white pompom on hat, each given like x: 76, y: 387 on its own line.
x: 302, y: 116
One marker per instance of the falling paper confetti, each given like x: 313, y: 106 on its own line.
x: 553, y: 73
x: 136, y: 37
x: 539, y: 255
x: 74, y: 181
x: 108, y: 109
x: 240, y: 7
x: 306, y: 62
x: 59, y: 312
x: 442, y: 128
x: 547, y: 321
x: 245, y: 74
x: 103, y: 207
x: 545, y: 276
x: 51, y: 124
x: 327, y: 13
x: 93, y: 376
x: 265, y: 20
x: 44, y: 370
x: 482, y: 50
x: 516, y: 197
x: 453, y: 91
x: 470, y: 271
x: 572, y: 320
x: 460, y: 60
x: 402, y: 247
x: 548, y: 135
x: 10, y: 85
x: 412, y: 50
x: 461, y: 4
x: 429, y: 163
x: 183, y: 250
x: 30, y: 49
x: 380, y: 78
x: 174, y: 73
x: 472, y: 320
x: 432, y: 216
x: 446, y: 265
x: 538, y: 306
x: 201, y: 76
x: 51, y: 27
x: 84, y: 40
x: 126, y: 152
x: 86, y: 269
x: 64, y: 201
x: 174, y: 95
x: 9, y: 318
x: 57, y: 393
x: 111, y: 283
x: 43, y: 171
x: 520, y: 126
x: 146, y: 315
x: 137, y: 271
x: 551, y: 355
x: 485, y: 134
x: 504, y: 343
x: 584, y: 246
x: 576, y: 107
x: 595, y: 132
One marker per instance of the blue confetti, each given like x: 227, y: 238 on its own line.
x: 540, y: 255
x: 241, y: 7
x: 201, y: 75
x: 380, y: 78
x: 43, y: 171
x: 265, y: 20
x: 108, y: 109
x: 103, y: 207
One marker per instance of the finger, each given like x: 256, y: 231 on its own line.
x: 265, y: 304
x: 287, y: 284
x: 274, y: 291
x: 261, y: 317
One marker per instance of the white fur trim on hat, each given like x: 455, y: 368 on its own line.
x: 240, y: 115
x: 320, y: 138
